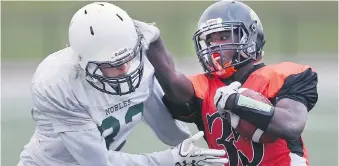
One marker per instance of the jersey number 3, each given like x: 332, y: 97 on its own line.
x: 114, y: 123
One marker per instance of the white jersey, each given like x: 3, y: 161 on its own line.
x: 76, y: 123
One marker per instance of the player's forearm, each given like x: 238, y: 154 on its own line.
x: 97, y: 154
x: 284, y: 120
x: 175, y: 84
x: 162, y: 158
x: 284, y: 124
x: 289, y: 119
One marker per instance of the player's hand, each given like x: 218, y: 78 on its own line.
x: 150, y: 31
x: 188, y: 154
x: 222, y: 95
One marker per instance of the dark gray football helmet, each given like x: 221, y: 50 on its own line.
x: 240, y: 20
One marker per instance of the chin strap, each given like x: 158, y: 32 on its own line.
x: 221, y: 72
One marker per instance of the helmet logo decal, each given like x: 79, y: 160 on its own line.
x: 121, y: 51
x: 211, y: 22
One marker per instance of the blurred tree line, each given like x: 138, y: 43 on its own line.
x: 32, y: 30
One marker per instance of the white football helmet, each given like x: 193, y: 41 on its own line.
x: 104, y: 34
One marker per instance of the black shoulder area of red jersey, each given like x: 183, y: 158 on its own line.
x: 301, y: 87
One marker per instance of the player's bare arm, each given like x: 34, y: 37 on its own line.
x: 175, y: 84
x: 177, y: 87
x: 287, y: 117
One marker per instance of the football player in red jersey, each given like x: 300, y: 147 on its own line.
x: 229, y: 44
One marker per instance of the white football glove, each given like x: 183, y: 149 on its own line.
x: 186, y: 154
x: 150, y: 31
x: 221, y: 96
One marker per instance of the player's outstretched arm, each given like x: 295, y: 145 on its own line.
x: 89, y: 149
x: 176, y: 85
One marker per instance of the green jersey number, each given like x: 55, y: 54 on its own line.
x: 114, y: 123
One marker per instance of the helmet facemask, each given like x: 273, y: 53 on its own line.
x: 211, y: 56
x: 120, y: 84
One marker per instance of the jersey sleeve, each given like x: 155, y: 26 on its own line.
x: 157, y: 116
x: 301, y: 87
x: 89, y: 149
x: 56, y: 103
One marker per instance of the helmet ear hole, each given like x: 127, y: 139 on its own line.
x: 254, y: 26
x: 260, y: 51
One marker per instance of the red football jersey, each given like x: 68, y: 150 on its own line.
x: 274, y: 82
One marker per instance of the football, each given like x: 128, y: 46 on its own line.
x: 247, y: 129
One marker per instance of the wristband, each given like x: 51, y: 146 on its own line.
x: 253, y: 111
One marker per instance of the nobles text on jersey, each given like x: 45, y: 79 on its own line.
x: 118, y: 106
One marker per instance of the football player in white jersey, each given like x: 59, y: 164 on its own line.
x: 88, y: 97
